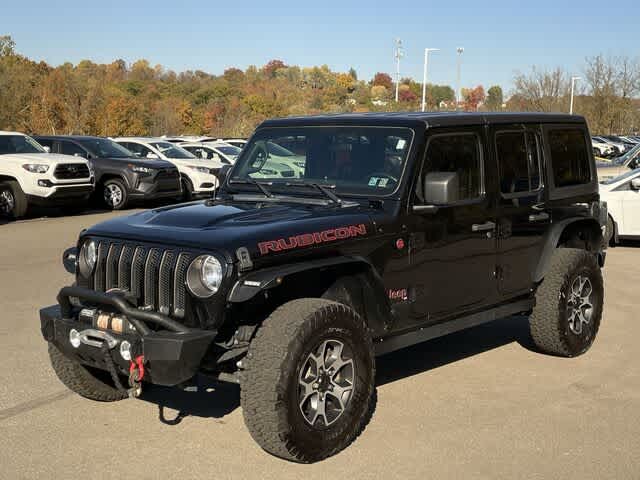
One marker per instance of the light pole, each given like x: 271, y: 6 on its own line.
x: 424, y: 75
x: 573, y: 87
x: 398, y: 54
x: 460, y: 51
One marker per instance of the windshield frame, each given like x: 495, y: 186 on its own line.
x: 229, y: 185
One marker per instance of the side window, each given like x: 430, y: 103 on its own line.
x: 69, y: 148
x: 458, y: 154
x: 519, y: 162
x: 569, y: 157
x: 46, y: 142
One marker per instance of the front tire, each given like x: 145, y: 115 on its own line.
x: 187, y: 190
x: 91, y: 384
x: 308, y: 388
x: 114, y: 194
x: 566, y: 318
x: 610, y: 232
x: 13, y: 201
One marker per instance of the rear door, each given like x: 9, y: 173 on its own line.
x: 522, y: 214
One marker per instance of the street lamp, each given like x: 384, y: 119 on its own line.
x: 460, y: 51
x: 424, y: 75
x: 573, y: 87
x: 398, y: 54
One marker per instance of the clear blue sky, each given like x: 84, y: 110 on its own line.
x: 499, y: 37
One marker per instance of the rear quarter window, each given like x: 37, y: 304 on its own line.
x: 570, y: 158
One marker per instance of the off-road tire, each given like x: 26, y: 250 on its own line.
x: 549, y: 322
x: 81, y: 380
x: 123, y: 189
x: 269, y: 385
x: 20, y: 203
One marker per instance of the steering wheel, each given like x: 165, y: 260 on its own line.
x: 380, y: 175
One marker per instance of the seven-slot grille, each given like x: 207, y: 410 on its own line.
x: 68, y: 171
x: 154, y: 276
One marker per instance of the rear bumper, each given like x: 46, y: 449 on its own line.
x: 171, y: 357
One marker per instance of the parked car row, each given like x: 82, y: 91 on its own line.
x: 610, y: 146
x: 68, y: 171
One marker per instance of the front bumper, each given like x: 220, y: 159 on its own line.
x: 172, y: 353
x: 158, y: 186
x: 61, y: 194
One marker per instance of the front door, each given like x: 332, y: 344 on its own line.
x: 522, y: 215
x: 453, y: 250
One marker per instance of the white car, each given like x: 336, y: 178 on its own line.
x: 217, y: 154
x: 602, y: 149
x: 236, y: 142
x: 29, y: 175
x: 198, y: 176
x: 622, y: 195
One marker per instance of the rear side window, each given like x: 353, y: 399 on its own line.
x: 519, y: 162
x: 569, y: 157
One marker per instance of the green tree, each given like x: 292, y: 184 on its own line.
x: 494, y: 98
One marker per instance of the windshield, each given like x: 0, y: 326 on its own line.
x: 229, y: 150
x: 19, y: 144
x: 172, y: 151
x: 358, y: 160
x: 104, y: 148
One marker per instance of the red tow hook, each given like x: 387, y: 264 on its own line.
x: 137, y: 366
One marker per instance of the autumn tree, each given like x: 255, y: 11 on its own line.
x: 383, y: 80
x: 543, y: 90
x: 472, y: 98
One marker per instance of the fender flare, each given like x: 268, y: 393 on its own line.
x: 253, y: 283
x: 551, y: 242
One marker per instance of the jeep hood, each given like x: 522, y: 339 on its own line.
x: 225, y: 227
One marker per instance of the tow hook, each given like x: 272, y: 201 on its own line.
x: 136, y: 374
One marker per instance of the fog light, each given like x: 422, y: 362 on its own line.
x: 74, y: 338
x: 125, y: 350
x: 45, y: 183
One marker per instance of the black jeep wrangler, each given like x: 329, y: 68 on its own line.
x: 403, y: 227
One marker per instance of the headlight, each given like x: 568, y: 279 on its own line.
x: 300, y: 164
x: 88, y: 257
x: 35, y: 167
x: 200, y: 169
x: 139, y: 169
x: 204, y: 276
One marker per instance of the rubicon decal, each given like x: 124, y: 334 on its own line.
x: 307, y: 239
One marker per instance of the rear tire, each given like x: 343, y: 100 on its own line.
x: 610, y: 232
x: 566, y: 318
x: 297, y: 402
x: 13, y: 201
x: 79, y: 379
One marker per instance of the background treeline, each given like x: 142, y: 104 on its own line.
x: 141, y: 99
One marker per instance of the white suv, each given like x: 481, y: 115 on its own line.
x: 198, y: 177
x: 29, y: 175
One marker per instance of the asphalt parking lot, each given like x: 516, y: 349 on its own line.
x: 477, y: 404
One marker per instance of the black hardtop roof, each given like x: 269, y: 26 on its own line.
x: 424, y: 119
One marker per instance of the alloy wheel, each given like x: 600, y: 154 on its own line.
x: 112, y: 195
x: 326, y: 383
x: 580, y: 304
x: 7, y: 202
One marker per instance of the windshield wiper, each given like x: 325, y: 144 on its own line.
x: 324, y: 189
x: 252, y: 181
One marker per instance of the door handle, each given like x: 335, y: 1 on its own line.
x: 483, y: 227
x: 539, y: 217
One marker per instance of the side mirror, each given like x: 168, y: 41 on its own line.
x: 151, y: 155
x: 216, y: 157
x: 202, y: 153
x: 440, y: 189
x: 224, y: 171
x: 47, y: 149
x: 635, y: 184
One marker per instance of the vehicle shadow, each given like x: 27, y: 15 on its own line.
x: 214, y: 399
